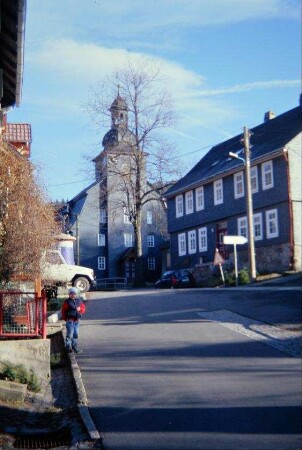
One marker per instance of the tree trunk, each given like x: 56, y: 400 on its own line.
x: 139, y: 268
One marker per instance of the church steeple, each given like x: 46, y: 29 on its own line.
x: 119, y: 112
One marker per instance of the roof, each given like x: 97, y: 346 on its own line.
x: 17, y: 132
x: 12, y: 32
x: 266, y: 138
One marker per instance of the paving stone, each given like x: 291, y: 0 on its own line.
x: 283, y: 340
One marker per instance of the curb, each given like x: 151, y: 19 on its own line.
x: 82, y: 399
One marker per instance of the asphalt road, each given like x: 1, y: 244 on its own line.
x: 160, y: 372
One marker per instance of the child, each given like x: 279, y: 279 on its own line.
x: 72, y: 310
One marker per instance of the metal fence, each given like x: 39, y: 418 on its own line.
x: 111, y: 284
x: 22, y: 314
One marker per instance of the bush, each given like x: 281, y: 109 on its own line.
x: 20, y: 374
x: 243, y: 277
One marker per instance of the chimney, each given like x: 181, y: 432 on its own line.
x: 269, y: 115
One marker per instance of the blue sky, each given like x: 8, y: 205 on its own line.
x: 228, y: 62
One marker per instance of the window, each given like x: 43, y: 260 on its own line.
x: 103, y: 216
x: 179, y: 205
x: 101, y: 240
x: 151, y: 263
x: 254, y: 179
x: 258, y: 227
x: 202, y: 239
x: 192, y: 241
x: 128, y: 239
x: 151, y: 240
x: 101, y: 263
x: 272, y: 223
x: 199, y: 197
x: 126, y: 216
x: 242, y: 226
x: 218, y: 192
x: 189, y: 202
x: 267, y: 175
x: 149, y: 217
x: 182, y: 244
x: 238, y: 184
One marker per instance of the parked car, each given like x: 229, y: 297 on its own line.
x: 176, y: 279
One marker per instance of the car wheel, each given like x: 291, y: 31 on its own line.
x: 82, y: 284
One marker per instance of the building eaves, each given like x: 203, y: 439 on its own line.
x: 12, y: 34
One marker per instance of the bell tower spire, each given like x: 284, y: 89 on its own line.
x: 119, y: 111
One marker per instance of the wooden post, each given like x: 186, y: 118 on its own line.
x: 38, y: 286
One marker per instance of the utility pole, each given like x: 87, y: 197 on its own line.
x: 249, y: 204
x: 78, y: 240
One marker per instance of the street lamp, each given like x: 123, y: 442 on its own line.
x: 249, y: 204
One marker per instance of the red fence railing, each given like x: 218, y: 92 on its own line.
x: 22, y: 314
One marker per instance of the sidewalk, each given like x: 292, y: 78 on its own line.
x: 58, y: 415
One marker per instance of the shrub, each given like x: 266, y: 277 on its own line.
x: 20, y: 374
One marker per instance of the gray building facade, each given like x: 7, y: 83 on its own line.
x: 210, y: 201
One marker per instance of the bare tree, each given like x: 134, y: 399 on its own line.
x: 27, y: 220
x: 139, y: 163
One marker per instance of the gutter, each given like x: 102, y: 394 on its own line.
x: 20, y: 49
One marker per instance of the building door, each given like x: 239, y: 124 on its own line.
x: 130, y: 270
x: 221, y: 230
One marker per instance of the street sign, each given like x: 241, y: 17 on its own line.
x: 218, y: 259
x: 235, y: 240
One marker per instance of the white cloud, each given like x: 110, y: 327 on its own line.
x: 126, y: 19
x: 248, y: 87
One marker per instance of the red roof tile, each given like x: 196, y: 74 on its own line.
x: 17, y: 132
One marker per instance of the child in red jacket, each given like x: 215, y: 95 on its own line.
x: 72, y: 310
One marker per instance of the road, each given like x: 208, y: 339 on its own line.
x: 194, y: 369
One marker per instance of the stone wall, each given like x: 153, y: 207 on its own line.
x: 34, y: 354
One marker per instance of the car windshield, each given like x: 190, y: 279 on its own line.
x: 167, y: 275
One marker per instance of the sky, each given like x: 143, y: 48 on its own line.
x: 228, y: 62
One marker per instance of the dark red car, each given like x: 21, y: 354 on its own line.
x: 176, y: 279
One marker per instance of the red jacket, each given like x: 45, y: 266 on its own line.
x: 69, y: 309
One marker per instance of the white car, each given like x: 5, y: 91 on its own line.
x: 56, y: 271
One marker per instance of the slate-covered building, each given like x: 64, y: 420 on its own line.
x: 101, y: 222
x: 210, y: 200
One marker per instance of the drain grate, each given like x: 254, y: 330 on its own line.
x: 44, y: 441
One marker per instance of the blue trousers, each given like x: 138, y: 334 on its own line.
x: 72, y: 333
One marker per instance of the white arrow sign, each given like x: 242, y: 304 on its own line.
x: 235, y: 240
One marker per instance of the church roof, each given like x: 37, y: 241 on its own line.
x: 119, y: 103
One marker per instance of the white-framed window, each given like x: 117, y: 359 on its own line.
x: 149, y: 217
x: 242, y: 226
x: 189, y: 202
x: 182, y: 249
x: 199, y: 198
x: 192, y: 242
x: 101, y: 240
x: 128, y: 238
x: 179, y: 205
x: 254, y: 179
x: 202, y: 239
x: 258, y: 231
x: 151, y: 263
x: 267, y: 175
x: 218, y: 192
x: 272, y: 229
x: 101, y: 262
x: 238, y: 185
x: 126, y: 216
x: 103, y: 215
x: 151, y: 240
